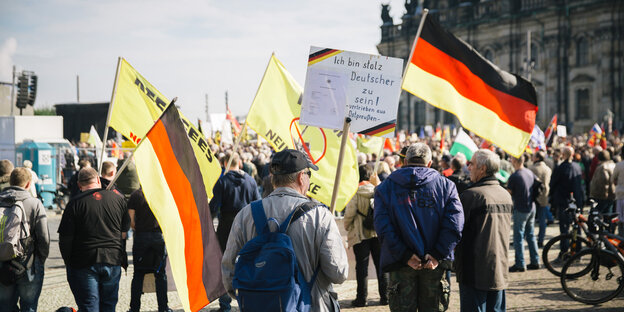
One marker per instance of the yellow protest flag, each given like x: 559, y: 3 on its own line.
x: 274, y: 115
x: 137, y: 104
x: 370, y: 145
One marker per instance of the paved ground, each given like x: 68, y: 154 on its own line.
x: 529, y: 291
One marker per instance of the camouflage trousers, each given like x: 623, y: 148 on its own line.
x: 419, y: 290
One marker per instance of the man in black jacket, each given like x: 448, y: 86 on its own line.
x: 566, y: 179
x: 233, y: 191
x: 90, y: 239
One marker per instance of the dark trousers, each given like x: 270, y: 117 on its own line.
x: 564, y: 227
x: 149, y: 245
x: 362, y: 252
x: 95, y: 288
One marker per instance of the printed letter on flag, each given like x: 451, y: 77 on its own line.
x: 449, y: 74
x: 274, y: 115
x: 174, y: 189
x: 137, y: 105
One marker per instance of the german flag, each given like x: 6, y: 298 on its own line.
x: 174, y: 189
x: 449, y: 74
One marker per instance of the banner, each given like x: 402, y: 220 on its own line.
x: 135, y: 108
x: 274, y: 115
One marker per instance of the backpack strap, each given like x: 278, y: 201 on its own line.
x: 297, y: 213
x: 259, y: 217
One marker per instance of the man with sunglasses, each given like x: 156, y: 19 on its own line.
x: 315, y: 236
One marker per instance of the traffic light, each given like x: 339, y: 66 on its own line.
x: 23, y: 91
x: 32, y: 94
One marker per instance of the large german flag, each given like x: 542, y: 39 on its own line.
x: 174, y: 189
x: 449, y: 74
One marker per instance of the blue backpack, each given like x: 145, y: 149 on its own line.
x: 266, y: 274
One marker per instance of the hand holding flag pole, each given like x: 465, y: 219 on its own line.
x: 125, y: 164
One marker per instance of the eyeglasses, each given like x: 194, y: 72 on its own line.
x: 309, y: 173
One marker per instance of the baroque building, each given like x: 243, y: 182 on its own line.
x: 576, y: 54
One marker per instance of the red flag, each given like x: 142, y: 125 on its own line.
x: 603, y: 139
x: 235, y: 124
x: 550, y: 130
x: 388, y: 145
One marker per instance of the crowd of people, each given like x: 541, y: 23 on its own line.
x: 419, y: 213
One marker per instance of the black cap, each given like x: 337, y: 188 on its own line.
x: 289, y: 161
x: 403, y: 151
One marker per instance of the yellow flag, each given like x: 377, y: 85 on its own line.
x: 137, y: 105
x: 274, y: 115
x: 370, y: 145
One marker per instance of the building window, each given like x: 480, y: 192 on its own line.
x: 582, y: 104
x: 534, y: 56
x: 582, y: 52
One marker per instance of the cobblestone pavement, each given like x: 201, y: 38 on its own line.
x: 529, y: 291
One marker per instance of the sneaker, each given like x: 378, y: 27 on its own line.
x: 516, y: 269
x: 533, y: 266
x: 358, y: 303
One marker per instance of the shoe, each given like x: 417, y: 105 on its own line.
x: 540, y: 245
x: 358, y: 303
x: 383, y: 301
x: 533, y: 266
x: 516, y: 269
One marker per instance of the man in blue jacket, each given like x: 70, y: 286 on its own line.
x: 419, y: 220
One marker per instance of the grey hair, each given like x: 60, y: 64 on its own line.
x: 418, y: 153
x: 280, y: 180
x: 487, y: 158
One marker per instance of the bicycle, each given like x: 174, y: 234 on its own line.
x: 595, y: 275
x: 553, y: 256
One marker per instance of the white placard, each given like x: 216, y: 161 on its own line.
x: 562, y: 131
x: 45, y: 157
x: 364, y: 87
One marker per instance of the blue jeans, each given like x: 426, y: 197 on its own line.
x: 543, y: 216
x: 95, y: 288
x: 523, y: 224
x: 25, y: 290
x: 475, y: 300
x: 148, y: 244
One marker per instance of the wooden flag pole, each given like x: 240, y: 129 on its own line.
x: 420, y: 27
x: 110, y: 109
x: 343, y: 144
x: 381, y: 149
x: 235, y: 147
x: 127, y: 161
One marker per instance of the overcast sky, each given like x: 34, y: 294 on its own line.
x: 184, y: 48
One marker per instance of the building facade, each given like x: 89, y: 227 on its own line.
x: 576, y: 54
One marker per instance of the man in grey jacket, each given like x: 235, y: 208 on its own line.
x: 315, y: 236
x: 27, y: 288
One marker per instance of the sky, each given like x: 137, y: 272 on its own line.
x: 184, y: 48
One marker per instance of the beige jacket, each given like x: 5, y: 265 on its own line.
x: 543, y: 172
x: 356, y: 232
x: 618, y: 179
x: 601, y: 185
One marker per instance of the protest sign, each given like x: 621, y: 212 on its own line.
x: 342, y: 84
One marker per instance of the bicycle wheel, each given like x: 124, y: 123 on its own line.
x: 552, y: 256
x: 593, y: 276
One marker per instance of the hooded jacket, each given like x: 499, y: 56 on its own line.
x: 35, y: 215
x: 356, y: 209
x: 417, y: 211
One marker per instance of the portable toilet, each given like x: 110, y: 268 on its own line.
x: 43, y: 157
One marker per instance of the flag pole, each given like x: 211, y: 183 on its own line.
x: 127, y: 160
x: 381, y: 149
x: 110, y: 110
x: 343, y: 145
x: 245, y: 125
x: 420, y: 27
